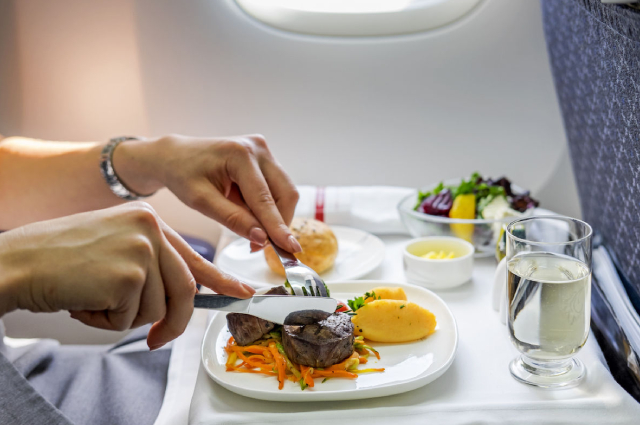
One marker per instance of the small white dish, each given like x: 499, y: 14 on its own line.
x: 408, y: 365
x: 359, y: 253
x: 438, y: 274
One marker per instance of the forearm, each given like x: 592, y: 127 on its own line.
x: 11, y: 276
x: 40, y: 180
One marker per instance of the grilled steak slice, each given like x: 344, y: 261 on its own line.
x: 316, y: 338
x: 246, y: 328
x: 278, y: 290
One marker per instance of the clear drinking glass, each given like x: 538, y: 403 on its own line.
x: 549, y: 298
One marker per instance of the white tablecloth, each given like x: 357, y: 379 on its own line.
x: 476, y: 389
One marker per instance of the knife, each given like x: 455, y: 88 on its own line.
x: 274, y: 308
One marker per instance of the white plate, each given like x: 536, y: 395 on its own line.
x: 408, y: 365
x: 359, y: 253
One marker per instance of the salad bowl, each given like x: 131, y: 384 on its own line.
x: 482, y: 233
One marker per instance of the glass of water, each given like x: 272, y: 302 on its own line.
x: 549, y: 298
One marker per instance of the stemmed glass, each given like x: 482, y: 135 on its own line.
x: 549, y: 298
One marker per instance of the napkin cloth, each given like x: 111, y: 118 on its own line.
x: 369, y: 208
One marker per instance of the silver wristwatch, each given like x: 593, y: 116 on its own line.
x: 109, y: 174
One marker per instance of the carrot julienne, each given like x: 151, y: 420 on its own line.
x: 267, y: 357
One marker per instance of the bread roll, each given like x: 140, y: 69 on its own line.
x: 319, y: 246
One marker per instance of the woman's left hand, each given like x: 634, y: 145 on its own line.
x: 234, y: 180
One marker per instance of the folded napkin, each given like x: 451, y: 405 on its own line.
x: 369, y: 208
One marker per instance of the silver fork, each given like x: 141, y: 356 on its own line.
x: 302, y: 279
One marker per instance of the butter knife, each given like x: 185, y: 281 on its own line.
x: 274, y: 308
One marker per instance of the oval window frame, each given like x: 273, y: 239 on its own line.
x: 359, y: 18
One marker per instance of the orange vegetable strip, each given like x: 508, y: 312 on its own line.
x: 248, y: 361
x: 330, y: 373
x: 258, y: 358
x: 231, y: 361
x: 288, y: 364
x: 280, y: 364
x: 306, y: 375
x: 254, y: 366
x: 360, y: 347
x: 254, y: 371
x: 230, y: 343
x: 363, y: 360
x: 254, y: 349
x: 375, y: 352
x: 368, y: 370
x: 343, y: 365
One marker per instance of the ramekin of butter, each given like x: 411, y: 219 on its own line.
x: 438, y: 262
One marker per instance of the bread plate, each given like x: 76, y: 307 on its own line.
x: 359, y: 253
x: 407, y: 365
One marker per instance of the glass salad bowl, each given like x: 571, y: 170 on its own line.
x: 482, y: 233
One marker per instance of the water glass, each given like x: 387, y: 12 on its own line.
x: 549, y: 298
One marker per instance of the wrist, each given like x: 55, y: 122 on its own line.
x: 136, y: 164
x: 11, y: 280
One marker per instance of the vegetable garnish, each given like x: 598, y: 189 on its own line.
x: 359, y: 302
x: 477, y: 193
x: 341, y: 308
x: 266, y: 356
x: 355, y: 304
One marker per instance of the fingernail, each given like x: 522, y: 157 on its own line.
x: 294, y: 245
x: 258, y: 236
x: 155, y: 347
x: 255, y: 247
x: 248, y: 289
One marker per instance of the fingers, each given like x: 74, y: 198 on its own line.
x: 232, y: 215
x: 235, y: 196
x: 152, y: 300
x: 284, y: 191
x: 180, y: 288
x: 204, y: 272
x: 97, y: 319
x: 104, y: 319
x: 258, y: 197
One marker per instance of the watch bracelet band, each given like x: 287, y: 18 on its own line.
x: 109, y: 174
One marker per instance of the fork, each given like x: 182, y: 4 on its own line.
x: 302, y: 279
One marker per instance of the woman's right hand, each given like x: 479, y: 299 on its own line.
x: 116, y: 268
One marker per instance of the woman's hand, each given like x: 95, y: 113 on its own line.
x: 235, y: 181
x: 116, y: 268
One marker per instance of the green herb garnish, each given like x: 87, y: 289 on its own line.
x: 356, y: 303
x: 359, y: 302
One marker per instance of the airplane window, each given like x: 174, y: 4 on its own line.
x: 359, y: 18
